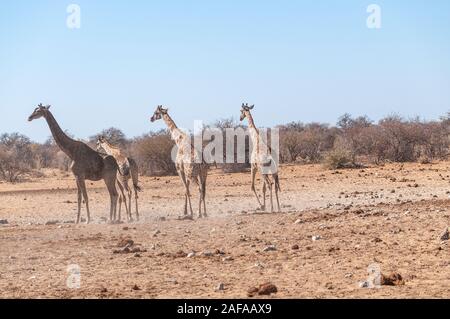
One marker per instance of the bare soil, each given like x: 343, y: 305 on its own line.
x: 389, y: 218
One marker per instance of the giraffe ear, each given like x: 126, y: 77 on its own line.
x: 251, y: 107
x: 48, y: 107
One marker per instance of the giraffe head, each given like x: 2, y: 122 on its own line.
x: 40, y: 111
x: 100, y: 141
x: 245, y: 111
x: 160, y: 111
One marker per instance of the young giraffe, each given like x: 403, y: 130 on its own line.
x: 261, y: 160
x: 189, y: 163
x: 87, y: 164
x: 127, y: 169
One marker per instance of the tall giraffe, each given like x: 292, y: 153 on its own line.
x: 189, y: 162
x: 261, y: 160
x: 87, y: 164
x: 127, y: 169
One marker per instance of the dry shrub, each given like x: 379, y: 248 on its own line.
x: 16, y: 157
x: 153, y: 152
x: 307, y: 143
x: 340, y: 156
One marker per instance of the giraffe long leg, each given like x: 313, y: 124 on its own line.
x: 136, y: 197
x: 254, y: 170
x: 79, y: 201
x: 181, y: 174
x: 263, y: 207
x: 86, y: 199
x: 134, y: 172
x: 189, y: 198
x: 204, y: 195
x: 110, y: 182
x: 122, y: 198
x: 271, y: 195
x: 200, y: 196
x: 129, y: 192
x: 200, y: 202
x: 276, y: 193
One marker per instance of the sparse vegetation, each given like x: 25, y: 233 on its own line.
x: 340, y: 157
x: 350, y: 142
x: 153, y: 152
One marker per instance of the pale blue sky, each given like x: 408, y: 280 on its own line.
x: 296, y: 60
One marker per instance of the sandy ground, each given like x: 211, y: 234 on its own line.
x: 388, y: 217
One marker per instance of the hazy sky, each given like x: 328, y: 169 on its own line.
x: 296, y: 60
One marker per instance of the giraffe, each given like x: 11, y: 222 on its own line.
x: 261, y: 160
x: 87, y: 164
x: 189, y: 162
x: 127, y: 169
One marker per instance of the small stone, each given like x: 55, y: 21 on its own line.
x: 252, y: 291
x: 295, y: 247
x: 364, y: 284
x: 298, y: 221
x: 228, y: 258
x: 103, y: 290
x: 219, y: 252
x: 258, y: 265
x: 445, y: 236
x: 156, y: 233
x: 394, y: 279
x: 270, y: 248
x: 348, y: 275
x: 316, y: 238
x: 136, y: 287
x: 124, y: 242
x: 180, y: 254
x: 220, y: 287
x: 52, y: 222
x: 267, y: 289
x: 190, y: 255
x: 3, y: 222
x: 207, y: 253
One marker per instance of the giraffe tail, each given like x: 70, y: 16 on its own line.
x: 137, y: 187
x: 134, y: 171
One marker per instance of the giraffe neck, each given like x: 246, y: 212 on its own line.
x: 65, y: 143
x: 177, y: 134
x: 109, y: 149
x: 254, y: 133
x: 115, y: 152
